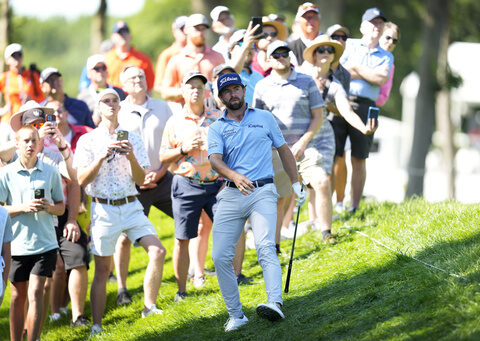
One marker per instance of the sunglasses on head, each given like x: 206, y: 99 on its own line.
x: 323, y: 49
x: 100, y: 68
x: 283, y: 54
x: 339, y: 37
x: 395, y: 41
x: 271, y: 34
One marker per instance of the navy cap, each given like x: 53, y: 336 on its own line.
x: 228, y: 79
x: 120, y: 25
x: 373, y: 13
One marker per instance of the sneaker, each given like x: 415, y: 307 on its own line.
x: 304, y: 227
x: 235, y: 323
x: 199, y: 282
x: 112, y: 278
x: 95, y: 330
x: 152, y: 311
x: 352, y: 210
x: 270, y: 311
x: 249, y: 240
x: 242, y: 279
x: 64, y: 310
x: 210, y: 273
x: 124, y: 298
x: 81, y: 321
x: 339, y: 207
x: 330, y: 239
x: 55, y: 317
x: 287, y: 233
x: 180, y: 296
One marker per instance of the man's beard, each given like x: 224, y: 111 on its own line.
x: 235, y: 106
x: 198, y: 41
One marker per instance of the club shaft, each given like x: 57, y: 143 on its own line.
x: 289, y: 272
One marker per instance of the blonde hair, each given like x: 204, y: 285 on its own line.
x: 391, y: 26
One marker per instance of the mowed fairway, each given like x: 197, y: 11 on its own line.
x: 354, y: 290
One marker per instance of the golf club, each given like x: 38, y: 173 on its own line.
x: 289, y: 272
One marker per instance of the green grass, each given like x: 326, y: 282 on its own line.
x: 354, y: 290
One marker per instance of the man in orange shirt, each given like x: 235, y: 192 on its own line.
x: 195, y: 184
x: 123, y: 54
x: 174, y: 49
x: 18, y: 84
x: 195, y: 56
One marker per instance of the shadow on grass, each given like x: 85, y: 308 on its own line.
x: 402, y: 299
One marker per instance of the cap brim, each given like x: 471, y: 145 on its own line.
x: 16, y: 119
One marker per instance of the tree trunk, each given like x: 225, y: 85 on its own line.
x: 435, y: 18
x: 4, y: 27
x: 98, y: 27
x: 444, y: 122
x: 256, y: 8
x: 331, y: 13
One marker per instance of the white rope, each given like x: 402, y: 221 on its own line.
x: 405, y: 255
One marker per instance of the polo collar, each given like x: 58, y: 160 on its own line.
x: 17, y: 165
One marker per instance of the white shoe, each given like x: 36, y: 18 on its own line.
x: 339, y: 207
x: 287, y: 233
x: 64, y: 310
x: 95, y: 330
x: 304, y: 227
x: 270, y: 311
x: 152, y: 311
x: 199, y: 282
x: 235, y: 323
x: 54, y: 317
x: 249, y: 240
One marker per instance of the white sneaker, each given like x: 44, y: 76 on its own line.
x: 287, y: 233
x: 304, y: 227
x: 339, y: 207
x: 235, y: 323
x: 249, y: 240
x: 152, y: 311
x: 270, y: 311
x: 95, y: 330
x: 54, y: 317
x: 199, y: 282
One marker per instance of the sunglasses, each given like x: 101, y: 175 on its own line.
x: 395, y: 41
x: 339, y: 37
x: 17, y: 55
x: 283, y: 54
x: 271, y: 34
x: 37, y: 125
x: 100, y: 68
x: 323, y: 49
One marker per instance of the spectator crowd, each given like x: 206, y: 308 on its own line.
x: 244, y: 131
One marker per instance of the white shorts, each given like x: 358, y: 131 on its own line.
x: 108, y: 222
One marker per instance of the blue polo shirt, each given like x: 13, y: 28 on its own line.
x: 33, y: 233
x: 250, y: 80
x: 246, y: 146
x: 358, y: 53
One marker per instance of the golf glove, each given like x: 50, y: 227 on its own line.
x: 299, y: 192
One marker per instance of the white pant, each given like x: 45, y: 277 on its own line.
x: 233, y: 210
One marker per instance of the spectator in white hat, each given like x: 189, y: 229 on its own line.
x: 223, y: 23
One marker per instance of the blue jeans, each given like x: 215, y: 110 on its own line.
x: 233, y: 210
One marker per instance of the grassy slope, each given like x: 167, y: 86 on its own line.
x: 353, y: 290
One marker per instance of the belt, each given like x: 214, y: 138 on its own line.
x: 360, y: 99
x: 115, y: 202
x: 256, y: 183
x: 201, y: 182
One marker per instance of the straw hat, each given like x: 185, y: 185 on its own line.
x: 35, y: 112
x: 319, y: 41
x: 281, y: 29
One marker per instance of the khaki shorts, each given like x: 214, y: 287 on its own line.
x: 281, y: 179
x: 309, y: 168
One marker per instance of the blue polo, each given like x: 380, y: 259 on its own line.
x: 250, y: 80
x: 33, y: 233
x: 357, y: 52
x: 246, y: 146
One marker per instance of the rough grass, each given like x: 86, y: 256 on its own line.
x: 354, y: 290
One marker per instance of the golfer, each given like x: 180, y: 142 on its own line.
x: 240, y: 150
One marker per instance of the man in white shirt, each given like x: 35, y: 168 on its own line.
x: 110, y: 164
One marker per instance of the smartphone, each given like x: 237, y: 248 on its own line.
x: 39, y: 193
x: 373, y: 112
x: 122, y: 135
x: 51, y: 118
x: 257, y: 21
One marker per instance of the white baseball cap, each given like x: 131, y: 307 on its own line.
x: 11, y: 49
x: 92, y: 61
x: 215, y: 13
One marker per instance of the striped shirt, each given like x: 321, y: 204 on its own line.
x: 291, y: 101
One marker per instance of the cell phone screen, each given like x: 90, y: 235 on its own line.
x: 51, y: 118
x: 373, y: 112
x: 122, y: 135
x: 39, y: 193
x: 257, y: 21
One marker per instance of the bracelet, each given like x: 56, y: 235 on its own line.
x: 62, y: 149
x: 182, y: 152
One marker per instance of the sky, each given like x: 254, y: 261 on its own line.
x: 72, y: 9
